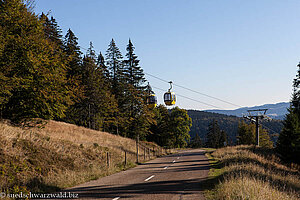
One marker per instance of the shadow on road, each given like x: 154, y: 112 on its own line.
x: 162, y: 187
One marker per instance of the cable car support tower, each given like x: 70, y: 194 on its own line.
x: 254, y: 116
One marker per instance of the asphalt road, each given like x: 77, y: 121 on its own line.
x: 172, y: 177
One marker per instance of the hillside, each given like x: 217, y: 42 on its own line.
x: 275, y: 111
x: 60, y: 155
x: 246, y: 172
x: 201, y: 120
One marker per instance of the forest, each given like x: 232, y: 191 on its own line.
x: 45, y: 75
x: 201, y: 121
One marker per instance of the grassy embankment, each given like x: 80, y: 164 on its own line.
x: 60, y: 155
x: 245, y: 172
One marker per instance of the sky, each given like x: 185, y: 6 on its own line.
x: 242, y: 52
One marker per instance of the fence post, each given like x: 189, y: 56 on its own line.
x: 107, y: 159
x: 125, y: 163
x: 153, y: 152
x: 137, y: 149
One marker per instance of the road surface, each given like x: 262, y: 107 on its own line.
x: 172, y: 177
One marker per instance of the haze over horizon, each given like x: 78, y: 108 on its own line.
x: 245, y: 53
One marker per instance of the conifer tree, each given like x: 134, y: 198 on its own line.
x: 73, y: 54
x: 196, y: 142
x: 101, y: 64
x: 96, y: 108
x: 134, y: 72
x: 216, y: 137
x: 52, y: 30
x: 288, y: 143
x: 213, y: 134
x: 114, y: 63
x: 246, y: 133
x: 115, y: 66
x: 135, y: 93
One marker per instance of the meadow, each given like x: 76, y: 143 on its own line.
x: 246, y: 172
x: 54, y: 155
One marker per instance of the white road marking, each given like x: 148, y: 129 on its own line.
x: 173, y: 161
x: 166, y: 168
x: 116, y: 198
x: 147, y: 179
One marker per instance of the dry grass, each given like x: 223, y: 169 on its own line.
x: 254, y: 173
x: 60, y: 155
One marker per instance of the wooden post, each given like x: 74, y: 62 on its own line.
x: 144, y: 153
x: 137, y: 149
x: 107, y: 159
x: 125, y: 163
x: 153, y: 151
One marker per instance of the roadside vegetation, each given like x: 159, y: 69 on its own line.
x: 59, y: 155
x: 246, y: 172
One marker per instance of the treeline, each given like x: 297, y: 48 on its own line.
x: 44, y: 74
x: 229, y: 124
x: 246, y: 134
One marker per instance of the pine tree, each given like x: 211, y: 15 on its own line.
x: 222, y: 139
x: 114, y: 63
x: 97, y: 107
x: 73, y: 53
x: 101, y: 64
x: 246, y: 133
x: 264, y: 138
x: 119, y: 87
x: 52, y: 30
x: 288, y: 143
x: 213, y: 134
x: 196, y: 142
x: 134, y: 72
x: 74, y: 74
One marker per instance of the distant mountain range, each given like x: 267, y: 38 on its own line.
x: 275, y: 111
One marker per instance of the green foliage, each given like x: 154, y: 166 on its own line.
x: 171, y: 128
x: 31, y: 63
x: 43, y: 75
x: 216, y: 138
x: 229, y: 124
x: 247, y: 135
x: 196, y: 142
x: 180, y: 124
x: 288, y: 144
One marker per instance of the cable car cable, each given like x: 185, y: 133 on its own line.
x: 189, y: 98
x: 194, y: 91
x: 191, y: 89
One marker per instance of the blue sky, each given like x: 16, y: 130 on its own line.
x: 244, y: 52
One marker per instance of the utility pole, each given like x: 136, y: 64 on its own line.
x: 259, y: 114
